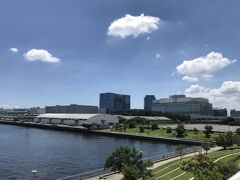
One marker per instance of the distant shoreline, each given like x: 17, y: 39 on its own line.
x: 96, y: 132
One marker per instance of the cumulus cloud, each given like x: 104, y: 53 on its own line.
x: 13, y: 50
x: 133, y: 26
x: 226, y: 96
x: 203, y: 67
x: 40, y: 55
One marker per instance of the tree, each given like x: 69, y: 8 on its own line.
x: 129, y: 161
x: 130, y: 172
x: 237, y: 138
x: 225, y: 140
x: 141, y: 129
x: 154, y: 126
x: 206, y: 145
x: 202, y: 167
x: 168, y: 130
x: 208, y: 131
x: 195, y: 130
x: 230, y: 138
x: 238, y: 131
x: 180, y: 130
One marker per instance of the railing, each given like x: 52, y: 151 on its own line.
x: 86, y: 174
x: 103, y: 171
x: 173, y: 154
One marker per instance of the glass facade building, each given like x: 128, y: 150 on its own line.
x: 112, y: 103
x: 148, y: 100
x: 185, y: 105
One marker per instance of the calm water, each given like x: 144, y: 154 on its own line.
x: 58, y: 154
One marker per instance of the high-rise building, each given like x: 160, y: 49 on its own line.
x: 195, y: 107
x: 72, y: 108
x: 148, y: 100
x: 113, y: 103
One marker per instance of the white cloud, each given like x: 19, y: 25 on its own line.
x: 228, y: 88
x: 148, y: 38
x: 133, y: 26
x: 203, y: 67
x: 226, y: 96
x: 13, y: 50
x: 189, y: 78
x: 40, y: 55
x: 197, y: 91
x: 158, y: 56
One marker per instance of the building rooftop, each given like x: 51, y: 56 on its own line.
x: 66, y: 116
x: 152, y: 118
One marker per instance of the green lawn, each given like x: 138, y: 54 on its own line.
x: 162, y: 133
x: 171, y: 170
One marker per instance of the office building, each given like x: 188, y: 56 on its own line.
x: 195, y: 107
x: 72, y: 108
x: 234, y: 113
x: 113, y: 103
x: 220, y: 112
x: 148, y: 99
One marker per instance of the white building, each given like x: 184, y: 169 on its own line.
x: 195, y: 107
x: 77, y: 119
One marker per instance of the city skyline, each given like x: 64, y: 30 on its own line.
x: 68, y: 53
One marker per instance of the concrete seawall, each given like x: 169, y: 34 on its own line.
x: 102, y: 133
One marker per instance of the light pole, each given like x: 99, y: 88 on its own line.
x: 34, y: 173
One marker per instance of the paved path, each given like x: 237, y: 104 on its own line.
x: 216, y: 127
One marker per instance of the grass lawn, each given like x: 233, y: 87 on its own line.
x: 162, y: 133
x: 171, y: 170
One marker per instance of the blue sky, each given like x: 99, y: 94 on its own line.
x: 70, y: 51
